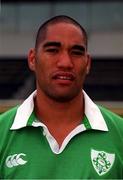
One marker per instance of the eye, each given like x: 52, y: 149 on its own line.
x: 52, y: 50
x: 77, y: 53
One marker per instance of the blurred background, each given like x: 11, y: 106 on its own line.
x: 103, y: 20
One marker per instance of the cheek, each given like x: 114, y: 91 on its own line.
x: 42, y: 71
x: 81, y: 68
x: 81, y: 72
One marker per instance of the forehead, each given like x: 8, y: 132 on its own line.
x: 63, y: 31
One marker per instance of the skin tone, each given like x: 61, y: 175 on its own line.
x: 61, y: 64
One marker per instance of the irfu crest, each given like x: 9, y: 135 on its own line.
x: 102, y: 161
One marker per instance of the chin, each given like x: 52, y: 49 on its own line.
x: 63, y: 98
x: 62, y: 95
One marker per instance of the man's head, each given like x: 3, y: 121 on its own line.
x: 59, y: 59
x: 41, y: 34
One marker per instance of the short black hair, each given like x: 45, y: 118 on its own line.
x: 56, y: 19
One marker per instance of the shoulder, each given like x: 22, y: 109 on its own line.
x: 7, y: 118
x: 109, y: 114
x: 112, y: 119
x: 106, y: 112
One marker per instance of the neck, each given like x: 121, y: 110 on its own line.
x: 50, y: 111
x: 60, y: 118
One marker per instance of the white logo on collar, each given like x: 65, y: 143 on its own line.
x: 15, y: 160
x: 102, y: 161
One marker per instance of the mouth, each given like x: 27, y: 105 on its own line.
x: 64, y: 77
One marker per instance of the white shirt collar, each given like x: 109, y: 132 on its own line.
x: 92, y: 112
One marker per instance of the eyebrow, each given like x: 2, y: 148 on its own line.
x: 52, y: 43
x: 58, y: 44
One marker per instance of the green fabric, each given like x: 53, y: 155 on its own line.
x: 75, y: 162
x: 86, y: 122
x: 31, y: 119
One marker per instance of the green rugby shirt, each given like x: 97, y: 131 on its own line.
x: 93, y: 150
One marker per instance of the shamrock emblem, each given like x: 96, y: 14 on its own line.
x: 102, y: 161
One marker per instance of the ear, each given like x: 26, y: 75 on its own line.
x: 88, y: 64
x: 31, y: 59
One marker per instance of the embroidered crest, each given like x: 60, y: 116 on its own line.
x: 102, y: 161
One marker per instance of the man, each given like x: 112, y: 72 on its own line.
x: 58, y: 132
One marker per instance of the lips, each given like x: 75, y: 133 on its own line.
x: 64, y: 76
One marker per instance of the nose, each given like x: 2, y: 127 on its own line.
x: 64, y: 61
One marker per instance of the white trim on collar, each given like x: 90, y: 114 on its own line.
x: 23, y: 112
x: 92, y: 112
x: 94, y: 115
